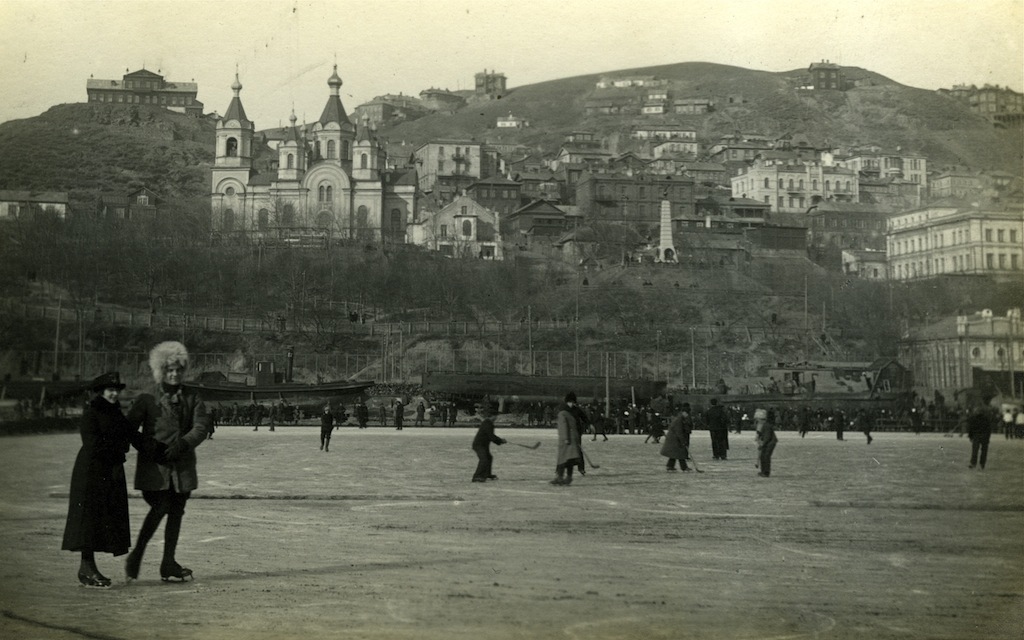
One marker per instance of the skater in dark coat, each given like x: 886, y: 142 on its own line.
x: 979, y: 431
x: 97, y: 518
x: 482, y: 446
x: 176, y: 416
x: 326, y: 427
x: 362, y: 414
x: 569, y: 452
x: 718, y: 426
x: 677, y: 440
x: 766, y: 441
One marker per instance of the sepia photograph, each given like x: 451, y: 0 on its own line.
x: 527, y: 320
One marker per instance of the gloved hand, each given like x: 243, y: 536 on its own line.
x: 176, y: 450
x: 150, y: 447
x: 502, y: 441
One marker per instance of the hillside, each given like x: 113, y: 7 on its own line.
x: 87, y: 149
x: 91, y: 148
x: 880, y: 111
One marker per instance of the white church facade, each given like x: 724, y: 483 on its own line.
x: 331, y: 177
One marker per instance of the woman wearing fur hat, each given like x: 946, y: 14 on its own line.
x: 177, y: 417
x: 98, y: 505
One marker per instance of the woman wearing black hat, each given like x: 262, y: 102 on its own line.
x: 98, y: 506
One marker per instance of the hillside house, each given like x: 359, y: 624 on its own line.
x: 25, y: 205
x: 538, y: 220
x: 541, y: 184
x: 825, y: 75
x: 676, y: 147
x: 653, y: 107
x: 511, y: 122
x: 138, y: 205
x: 497, y: 193
x: 692, y: 105
x: 869, y: 264
x: 663, y: 132
x: 461, y: 229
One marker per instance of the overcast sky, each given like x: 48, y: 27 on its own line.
x: 284, y: 49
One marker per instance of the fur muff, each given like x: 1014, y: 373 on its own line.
x: 165, y: 354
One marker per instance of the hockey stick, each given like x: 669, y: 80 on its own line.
x: 525, y: 446
x: 589, y: 461
x: 694, y: 463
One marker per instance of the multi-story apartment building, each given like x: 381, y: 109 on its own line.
x: 967, y: 240
x: 842, y: 225
x: 955, y: 184
x: 874, y: 162
x: 793, y: 186
x: 497, y: 193
x: 618, y: 197
x: 146, y: 87
x: 450, y: 162
x: 1003, y: 106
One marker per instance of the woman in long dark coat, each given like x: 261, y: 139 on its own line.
x: 98, y: 505
x: 677, y: 440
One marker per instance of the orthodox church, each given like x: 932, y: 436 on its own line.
x: 330, y: 177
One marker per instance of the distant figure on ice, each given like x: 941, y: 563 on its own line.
x: 569, y: 451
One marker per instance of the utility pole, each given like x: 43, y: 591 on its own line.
x: 56, y: 343
x: 529, y: 335
x: 693, y: 362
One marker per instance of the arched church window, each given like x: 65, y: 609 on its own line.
x: 290, y: 163
x: 324, y: 220
x: 232, y: 147
x: 363, y: 161
x: 331, y: 150
x: 344, y: 149
x: 288, y: 215
x: 263, y: 219
x: 228, y: 220
x: 321, y: 194
x: 230, y: 191
x: 330, y: 193
x: 467, y: 229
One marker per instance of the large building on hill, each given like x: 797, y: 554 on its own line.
x: 633, y: 199
x: 792, y: 186
x: 957, y: 238
x: 146, y: 87
x: 490, y: 84
x: 331, y: 178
